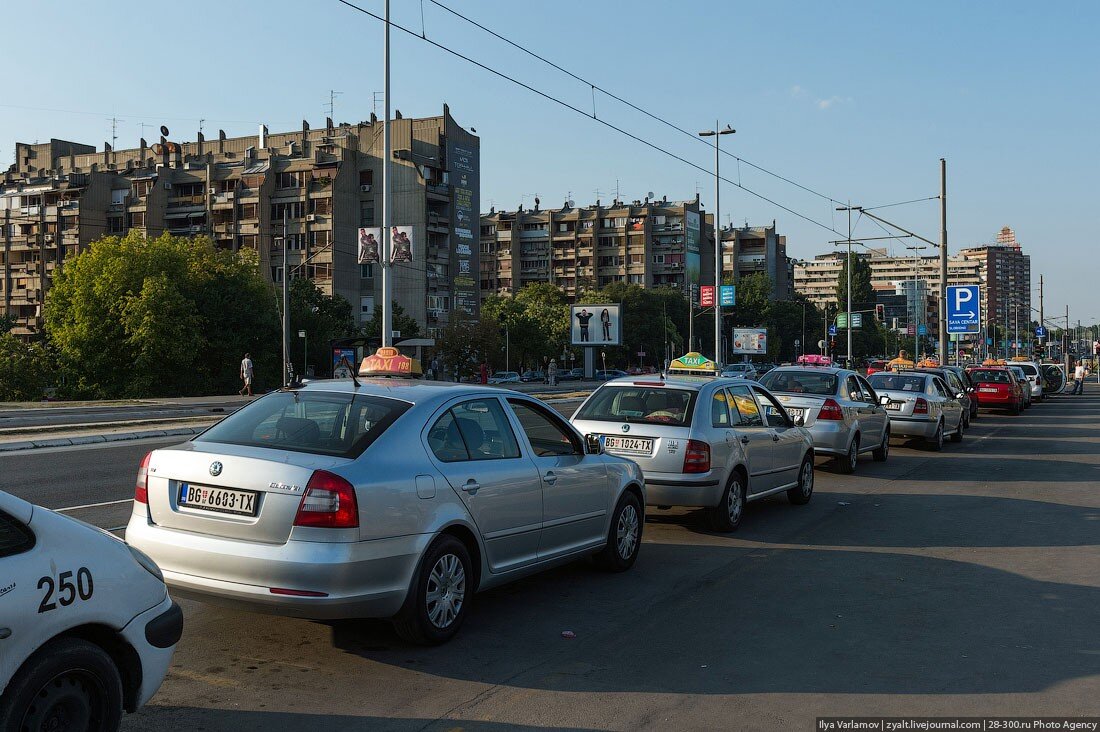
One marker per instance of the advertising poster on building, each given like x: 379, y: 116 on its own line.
x: 343, y: 363
x: 464, y: 175
x: 370, y: 245
x: 401, y: 244
x: 751, y: 341
x: 595, y: 325
x: 691, y: 246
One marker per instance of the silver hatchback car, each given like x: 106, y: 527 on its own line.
x: 838, y: 407
x: 711, y: 442
x: 920, y: 405
x: 394, y: 499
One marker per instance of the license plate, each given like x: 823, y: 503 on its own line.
x: 988, y: 391
x: 631, y: 445
x: 218, y: 500
x: 796, y: 413
x: 893, y: 406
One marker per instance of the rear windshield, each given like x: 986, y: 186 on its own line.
x: 885, y: 381
x: 1028, y: 369
x: 647, y: 405
x: 800, y: 382
x: 326, y: 423
x: 989, y: 376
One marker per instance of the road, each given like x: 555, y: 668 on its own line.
x: 961, y: 583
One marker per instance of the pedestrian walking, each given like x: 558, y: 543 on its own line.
x: 552, y: 372
x: 1079, y: 374
x: 434, y: 374
x: 484, y: 373
x: 246, y: 374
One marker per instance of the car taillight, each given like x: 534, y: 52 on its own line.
x: 697, y: 457
x: 921, y: 406
x: 329, y: 503
x: 141, y: 486
x: 830, y: 410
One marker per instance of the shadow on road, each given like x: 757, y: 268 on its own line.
x: 234, y: 720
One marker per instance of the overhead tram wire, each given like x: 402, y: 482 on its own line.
x: 581, y: 112
x: 901, y: 203
x: 596, y: 87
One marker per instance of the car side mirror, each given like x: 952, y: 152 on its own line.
x: 592, y: 444
x: 883, y: 399
x: 960, y: 395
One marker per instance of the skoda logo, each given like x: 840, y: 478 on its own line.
x: 215, y: 468
x: 626, y: 428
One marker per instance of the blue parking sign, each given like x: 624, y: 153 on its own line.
x: 1040, y: 332
x: 964, y: 309
x: 832, y: 330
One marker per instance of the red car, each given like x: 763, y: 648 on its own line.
x: 997, y: 388
x: 873, y: 367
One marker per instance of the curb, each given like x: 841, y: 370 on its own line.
x: 91, y: 439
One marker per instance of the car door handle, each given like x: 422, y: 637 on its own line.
x: 472, y: 486
x: 744, y: 439
x: 550, y: 477
x: 775, y: 437
x: 5, y: 633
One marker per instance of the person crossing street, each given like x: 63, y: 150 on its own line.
x: 1079, y: 374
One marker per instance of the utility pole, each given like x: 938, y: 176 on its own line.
x: 917, y: 306
x: 1042, y: 320
x: 716, y: 133
x: 387, y: 182
x: 286, y: 296
x: 943, y: 261
x: 1065, y: 346
x: 848, y: 287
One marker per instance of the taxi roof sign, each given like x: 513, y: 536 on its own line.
x: 388, y: 361
x: 693, y: 363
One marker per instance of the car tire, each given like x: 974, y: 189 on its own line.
x: 68, y: 681
x: 727, y: 515
x: 882, y: 451
x: 624, y: 536
x: 936, y: 443
x: 847, y: 464
x: 427, y: 621
x: 801, y: 494
x: 1015, y: 410
x: 957, y: 435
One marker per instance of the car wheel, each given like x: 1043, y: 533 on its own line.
x: 957, y: 435
x: 848, y: 463
x: 1015, y: 409
x: 726, y: 516
x: 439, y: 601
x: 936, y: 443
x: 68, y: 684
x: 624, y: 537
x: 801, y: 494
x: 882, y: 451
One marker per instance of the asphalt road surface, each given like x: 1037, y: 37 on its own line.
x: 964, y: 583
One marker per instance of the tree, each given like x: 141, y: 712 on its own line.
x: 863, y: 295
x: 647, y: 322
x: 536, y: 319
x: 404, y: 324
x: 7, y: 322
x: 322, y: 317
x: 26, y: 369
x: 466, y: 343
x: 170, y: 316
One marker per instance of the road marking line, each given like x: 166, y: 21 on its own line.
x: 92, y: 505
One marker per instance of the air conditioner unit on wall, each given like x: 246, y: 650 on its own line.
x: 167, y: 185
x: 365, y: 188
x: 311, y: 217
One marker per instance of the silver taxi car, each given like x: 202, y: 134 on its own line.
x: 839, y: 408
x: 710, y: 442
x: 920, y: 405
x: 391, y: 498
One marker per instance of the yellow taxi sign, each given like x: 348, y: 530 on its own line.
x: 693, y: 363
x: 388, y: 361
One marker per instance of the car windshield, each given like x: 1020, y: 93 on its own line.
x: 989, y: 376
x: 800, y: 382
x: 326, y: 423
x: 653, y: 405
x: 885, y: 381
x: 1028, y: 369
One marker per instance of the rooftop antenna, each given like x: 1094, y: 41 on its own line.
x: 332, y: 94
x: 114, y: 131
x: 617, y: 195
x: 201, y: 122
x: 376, y: 95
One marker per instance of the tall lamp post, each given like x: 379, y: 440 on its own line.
x: 916, y: 306
x: 387, y: 187
x: 849, y: 208
x: 716, y: 133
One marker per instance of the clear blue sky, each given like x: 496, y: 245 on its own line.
x: 856, y: 99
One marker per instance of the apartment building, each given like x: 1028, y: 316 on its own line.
x: 1004, y: 272
x: 60, y: 196
x: 755, y: 249
x: 649, y: 243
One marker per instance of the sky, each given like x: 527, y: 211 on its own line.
x: 854, y: 100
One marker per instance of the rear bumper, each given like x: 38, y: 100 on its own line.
x: 830, y: 437
x: 912, y: 427
x: 366, y: 579
x: 676, y: 489
x: 995, y: 401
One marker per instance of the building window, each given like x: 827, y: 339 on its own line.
x: 607, y: 241
x: 293, y: 210
x: 366, y: 177
x: 114, y: 224
x: 276, y: 274
x: 366, y: 305
x: 437, y: 302
x: 320, y: 237
x: 288, y: 180
x: 249, y: 211
x: 366, y: 271
x: 187, y: 189
x: 141, y: 188
x: 137, y: 219
x: 658, y: 259
x: 488, y: 230
x: 366, y: 213
x: 321, y: 206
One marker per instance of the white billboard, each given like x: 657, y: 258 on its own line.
x: 751, y: 341
x: 595, y: 325
x: 370, y: 244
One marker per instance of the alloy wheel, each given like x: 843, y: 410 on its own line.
x: 733, y: 503
x: 446, y: 591
x: 807, y: 480
x: 626, y: 532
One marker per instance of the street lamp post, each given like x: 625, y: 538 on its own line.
x: 716, y: 133
x: 849, y: 208
x: 387, y: 187
x: 916, y: 306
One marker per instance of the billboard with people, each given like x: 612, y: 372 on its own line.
x: 595, y: 325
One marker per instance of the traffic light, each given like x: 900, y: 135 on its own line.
x: 880, y: 312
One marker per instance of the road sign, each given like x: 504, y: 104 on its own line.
x: 911, y: 329
x: 706, y: 296
x: 727, y: 296
x: 797, y: 343
x: 832, y: 330
x: 841, y: 321
x: 821, y: 343
x: 857, y: 320
x: 1040, y: 332
x: 963, y: 309
x: 922, y: 329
